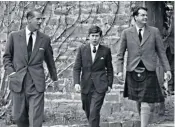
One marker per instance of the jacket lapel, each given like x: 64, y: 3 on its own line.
x: 135, y: 35
x: 88, y: 55
x: 98, y: 54
x: 36, y: 46
x: 23, y: 43
x: 145, y: 35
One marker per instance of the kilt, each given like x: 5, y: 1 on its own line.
x: 147, y: 90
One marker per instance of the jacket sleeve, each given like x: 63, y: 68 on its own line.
x: 50, y: 62
x: 110, y: 73
x: 8, y: 55
x: 161, y: 51
x: 121, y: 52
x: 77, y: 67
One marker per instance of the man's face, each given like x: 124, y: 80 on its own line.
x: 142, y: 17
x: 94, y: 38
x: 35, y: 22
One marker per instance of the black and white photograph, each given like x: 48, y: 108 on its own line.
x: 87, y: 64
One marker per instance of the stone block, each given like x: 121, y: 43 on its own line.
x: 137, y: 124
x: 84, y: 125
x: 110, y: 107
x: 104, y: 124
x: 127, y: 124
x: 128, y: 105
x: 112, y: 97
x: 115, y: 124
x: 62, y: 102
x: 76, y: 96
x: 86, y: 11
x: 104, y: 8
x: 113, y: 31
x: 122, y: 19
x: 81, y: 30
x: 116, y: 107
x: 57, y: 95
x: 53, y: 21
x: 123, y: 5
x: 106, y: 109
x: 121, y: 28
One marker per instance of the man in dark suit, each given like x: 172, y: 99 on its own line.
x: 93, y: 72
x: 143, y: 44
x: 23, y: 60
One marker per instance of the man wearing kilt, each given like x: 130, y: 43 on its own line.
x: 143, y: 44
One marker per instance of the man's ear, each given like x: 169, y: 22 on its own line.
x: 87, y: 38
x: 30, y: 18
x: 135, y: 18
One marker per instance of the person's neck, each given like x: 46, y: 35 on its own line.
x: 140, y: 25
x: 95, y: 45
x: 30, y: 28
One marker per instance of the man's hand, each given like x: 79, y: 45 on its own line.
x: 77, y: 88
x: 109, y: 89
x: 167, y: 75
x: 120, y: 77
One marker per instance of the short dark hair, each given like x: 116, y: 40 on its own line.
x: 136, y: 11
x: 95, y: 29
x: 31, y: 13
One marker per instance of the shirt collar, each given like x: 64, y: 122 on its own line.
x: 28, y: 31
x: 137, y: 28
x: 95, y: 46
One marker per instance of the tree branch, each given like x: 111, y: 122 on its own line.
x: 113, y: 22
x: 44, y: 7
x: 47, y: 21
x: 63, y: 43
x: 58, y: 26
x: 66, y: 29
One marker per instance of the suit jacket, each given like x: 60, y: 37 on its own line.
x: 147, y: 50
x: 15, y: 59
x: 100, y: 72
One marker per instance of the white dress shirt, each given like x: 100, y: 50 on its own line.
x: 33, y: 37
x: 93, y: 54
x: 142, y: 31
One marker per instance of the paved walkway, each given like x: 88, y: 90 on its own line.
x: 166, y: 124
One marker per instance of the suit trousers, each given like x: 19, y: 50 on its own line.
x: 28, y: 105
x: 92, y: 103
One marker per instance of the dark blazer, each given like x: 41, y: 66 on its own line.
x: 100, y: 72
x: 147, y: 50
x: 15, y: 59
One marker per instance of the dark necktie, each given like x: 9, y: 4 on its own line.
x: 94, y: 50
x: 30, y: 45
x: 140, y: 35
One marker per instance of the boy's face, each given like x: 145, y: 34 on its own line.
x: 94, y: 38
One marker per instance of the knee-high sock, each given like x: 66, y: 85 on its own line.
x: 145, y: 114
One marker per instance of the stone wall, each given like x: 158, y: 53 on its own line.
x: 67, y: 23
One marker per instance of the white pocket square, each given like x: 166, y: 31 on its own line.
x: 41, y: 49
x: 101, y: 58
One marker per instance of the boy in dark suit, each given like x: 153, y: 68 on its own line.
x: 93, y: 75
